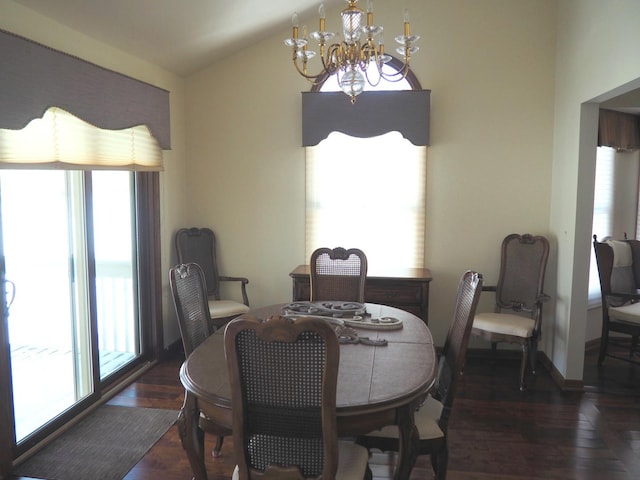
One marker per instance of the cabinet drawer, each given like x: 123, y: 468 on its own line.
x: 394, y: 292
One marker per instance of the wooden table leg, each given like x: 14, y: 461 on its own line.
x: 409, y: 442
x: 192, y: 436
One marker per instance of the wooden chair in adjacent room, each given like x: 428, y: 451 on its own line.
x: 198, y: 245
x: 619, y: 270
x: 432, y: 418
x: 517, y: 316
x: 189, y: 293
x: 283, y: 376
x: 338, y: 274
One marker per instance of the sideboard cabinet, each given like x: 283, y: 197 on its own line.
x: 407, y: 289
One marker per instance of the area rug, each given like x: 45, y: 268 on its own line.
x: 105, y: 445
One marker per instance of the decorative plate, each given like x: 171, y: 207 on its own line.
x: 351, y: 314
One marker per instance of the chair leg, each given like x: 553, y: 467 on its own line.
x: 634, y: 345
x: 533, y: 354
x: 218, y: 446
x: 368, y: 474
x: 494, y: 352
x: 603, y: 346
x: 523, y: 364
x: 439, y: 461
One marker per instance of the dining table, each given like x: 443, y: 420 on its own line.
x: 380, y: 382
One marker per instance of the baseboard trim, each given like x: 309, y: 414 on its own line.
x: 542, y: 359
x: 562, y: 383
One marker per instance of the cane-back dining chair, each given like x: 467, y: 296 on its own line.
x: 283, y: 375
x: 432, y: 418
x: 338, y: 274
x: 198, y: 245
x: 192, y: 309
x: 619, y: 270
x: 517, y: 317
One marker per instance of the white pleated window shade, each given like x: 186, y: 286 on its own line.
x: 59, y: 140
x: 603, y: 205
x: 368, y: 193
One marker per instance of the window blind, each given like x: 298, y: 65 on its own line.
x: 368, y: 194
x: 59, y: 140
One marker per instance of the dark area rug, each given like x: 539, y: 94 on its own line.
x: 105, y: 445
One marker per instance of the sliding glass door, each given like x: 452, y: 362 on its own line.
x: 114, y: 243
x: 68, y: 244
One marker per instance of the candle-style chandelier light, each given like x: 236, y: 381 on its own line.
x: 351, y: 56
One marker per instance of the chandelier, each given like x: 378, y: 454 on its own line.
x: 356, y: 56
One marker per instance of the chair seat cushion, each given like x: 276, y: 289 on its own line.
x: 352, y: 463
x: 504, y: 323
x: 226, y: 308
x: 426, y: 420
x: 627, y: 313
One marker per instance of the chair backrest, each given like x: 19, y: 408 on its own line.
x: 455, y: 347
x: 522, y: 268
x: 283, y: 377
x: 618, y: 264
x: 338, y: 274
x: 192, y: 308
x: 198, y: 245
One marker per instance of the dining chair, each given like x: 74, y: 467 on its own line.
x: 192, y: 309
x: 283, y: 375
x: 517, y: 315
x: 432, y: 418
x: 338, y: 274
x: 619, y: 271
x: 198, y: 245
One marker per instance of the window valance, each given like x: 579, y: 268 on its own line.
x: 618, y: 130
x: 374, y: 113
x: 34, y: 77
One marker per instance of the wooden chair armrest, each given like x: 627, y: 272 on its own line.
x: 626, y: 295
x: 544, y: 298
x: 243, y: 286
x: 223, y: 278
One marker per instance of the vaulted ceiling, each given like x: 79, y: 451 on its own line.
x: 181, y: 36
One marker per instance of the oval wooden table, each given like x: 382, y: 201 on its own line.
x: 377, y: 385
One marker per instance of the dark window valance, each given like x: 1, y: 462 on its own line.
x: 34, y: 77
x: 374, y: 113
x: 618, y: 130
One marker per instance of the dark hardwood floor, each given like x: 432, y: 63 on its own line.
x: 495, y: 432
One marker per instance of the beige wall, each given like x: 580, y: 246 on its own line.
x: 596, y: 60
x: 490, y: 66
x: 17, y: 19
x: 512, y: 144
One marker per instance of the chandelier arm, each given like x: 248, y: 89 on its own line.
x: 330, y: 67
x: 313, y: 79
x: 397, y: 76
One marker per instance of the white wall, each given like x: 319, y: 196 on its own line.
x: 17, y: 19
x: 490, y: 67
x: 596, y: 60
